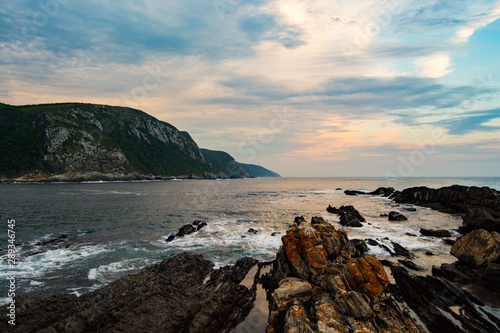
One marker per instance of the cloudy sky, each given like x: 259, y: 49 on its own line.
x: 305, y: 88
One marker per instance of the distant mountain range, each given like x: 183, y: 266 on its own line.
x: 74, y: 141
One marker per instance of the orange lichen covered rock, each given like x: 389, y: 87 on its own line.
x: 366, y: 275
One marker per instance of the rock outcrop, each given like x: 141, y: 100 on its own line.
x: 318, y: 286
x: 477, y: 249
x: 187, y: 229
x: 349, y: 216
x: 435, y: 233
x: 180, y: 294
x: 384, y: 191
x: 453, y: 199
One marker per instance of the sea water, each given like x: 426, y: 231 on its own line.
x: 117, y: 228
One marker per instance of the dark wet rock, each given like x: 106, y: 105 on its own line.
x: 317, y: 285
x: 435, y: 301
x: 395, y: 216
x: 185, y: 230
x: 201, y: 225
x: 170, y: 238
x: 172, y: 296
x: 384, y: 191
x: 410, y: 209
x: 411, y: 265
x: 349, y: 216
x: 410, y: 234
x: 372, y: 242
x: 395, y: 195
x: 477, y: 249
x: 253, y: 231
x: 360, y: 247
x: 387, y: 263
x: 353, y: 192
x: 276, y: 233
x: 435, y: 233
x: 449, y: 241
x: 429, y: 253
x: 453, y: 199
x: 454, y: 273
x: 384, y: 215
x: 480, y: 218
x: 338, y: 189
x: 401, y: 251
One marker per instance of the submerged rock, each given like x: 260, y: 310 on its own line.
x: 384, y: 191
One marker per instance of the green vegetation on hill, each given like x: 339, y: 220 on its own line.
x: 76, y: 137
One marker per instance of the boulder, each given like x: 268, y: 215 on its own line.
x: 201, y: 225
x: 402, y: 251
x: 360, y: 247
x: 353, y: 192
x: 480, y: 218
x: 395, y: 216
x: 170, y: 238
x: 291, y: 290
x: 253, y: 231
x: 478, y: 248
x: 435, y: 233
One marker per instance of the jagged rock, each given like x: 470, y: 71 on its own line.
x: 435, y: 233
x: 453, y: 273
x: 478, y: 248
x: 384, y: 215
x: 385, y: 191
x: 480, y: 218
x: 401, y: 251
x: 395, y: 216
x: 340, y: 294
x: 372, y: 242
x: 170, y: 238
x: 449, y: 241
x: 349, y: 216
x: 435, y: 301
x: 360, y: 247
x: 172, y: 296
x: 453, y: 199
x: 185, y: 230
x: 252, y: 231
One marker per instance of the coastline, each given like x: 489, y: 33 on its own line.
x: 398, y: 273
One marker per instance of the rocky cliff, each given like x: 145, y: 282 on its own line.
x: 78, y: 139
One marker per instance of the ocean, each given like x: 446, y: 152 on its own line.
x: 111, y: 229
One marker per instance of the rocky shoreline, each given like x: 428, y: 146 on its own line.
x: 320, y: 281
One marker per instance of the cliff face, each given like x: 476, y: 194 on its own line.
x: 87, y: 138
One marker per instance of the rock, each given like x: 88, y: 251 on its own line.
x: 291, y: 290
x: 480, y: 218
x: 449, y: 241
x: 478, y: 248
x: 253, y: 231
x: 353, y: 192
x: 453, y: 273
x: 401, y: 251
x: 338, y: 189
x: 275, y: 233
x: 441, y: 306
x: 349, y: 216
x: 410, y: 234
x: 395, y: 216
x: 429, y: 253
x: 185, y: 230
x: 385, y: 191
x: 410, y: 209
x: 360, y: 247
x: 454, y: 199
x: 411, y: 265
x: 170, y: 238
x: 435, y: 233
x: 384, y: 215
x: 197, y: 222
x: 174, y: 295
x: 201, y: 225
x: 316, y: 285
x: 372, y: 242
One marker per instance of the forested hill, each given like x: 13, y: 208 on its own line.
x: 77, y: 139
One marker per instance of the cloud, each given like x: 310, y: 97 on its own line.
x: 477, y: 22
x: 471, y: 122
x: 434, y: 66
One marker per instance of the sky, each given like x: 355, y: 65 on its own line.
x: 318, y: 88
